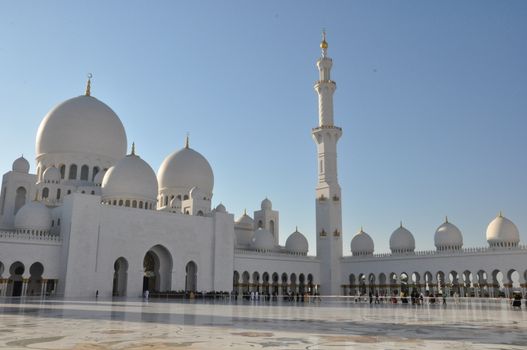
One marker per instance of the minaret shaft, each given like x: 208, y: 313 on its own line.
x: 328, y: 196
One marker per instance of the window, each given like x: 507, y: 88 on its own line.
x: 20, y: 198
x: 73, y: 172
x: 69, y: 191
x: 84, y: 172
x: 58, y: 193
x: 62, y: 171
x: 127, y: 203
x: 95, y: 172
x: 58, y: 222
x: 45, y: 192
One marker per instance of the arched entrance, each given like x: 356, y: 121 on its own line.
x: 34, y: 286
x: 120, y: 277
x: 157, y: 267
x: 15, y: 282
x: 192, y: 276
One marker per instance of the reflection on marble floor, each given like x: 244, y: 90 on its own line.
x: 134, y: 324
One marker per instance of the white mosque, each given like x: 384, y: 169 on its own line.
x: 93, y: 218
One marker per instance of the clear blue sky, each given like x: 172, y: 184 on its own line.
x: 432, y: 97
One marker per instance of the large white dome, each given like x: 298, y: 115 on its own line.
x: 130, y: 178
x: 297, y: 243
x: 84, y: 125
x: 362, y: 244
x: 448, y: 237
x: 502, y: 232
x: 33, y: 216
x: 402, y: 241
x: 183, y: 170
x: 263, y: 240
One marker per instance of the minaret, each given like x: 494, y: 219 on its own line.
x: 328, y: 206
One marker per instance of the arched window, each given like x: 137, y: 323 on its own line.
x: 271, y: 226
x: 69, y: 191
x: 166, y: 200
x: 95, y: 172
x: 58, y: 222
x: 73, y: 172
x: 45, y: 192
x: 92, y: 192
x: 62, y: 171
x: 140, y: 204
x: 58, y: 193
x: 260, y: 224
x: 20, y: 198
x: 134, y: 204
x: 52, y: 223
x: 84, y: 172
x: 200, y: 213
x: 127, y: 203
x: 120, y: 202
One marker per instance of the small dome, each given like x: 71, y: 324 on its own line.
x: 33, y: 216
x: 221, y: 208
x: 99, y: 177
x: 185, y: 169
x: 130, y: 178
x: 297, y: 243
x: 362, y: 244
x: 245, y: 220
x: 402, y: 241
x: 51, y: 174
x: 262, y: 240
x: 502, y: 232
x: 448, y: 237
x: 21, y: 165
x: 82, y: 125
x: 266, y: 204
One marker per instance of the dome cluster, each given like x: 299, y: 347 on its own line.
x: 81, y: 147
x: 260, y: 234
x: 501, y: 233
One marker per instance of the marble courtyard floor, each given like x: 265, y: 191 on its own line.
x: 134, y: 324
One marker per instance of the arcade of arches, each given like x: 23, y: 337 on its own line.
x: 157, y: 272
x: 495, y: 283
x: 17, y: 282
x: 273, y: 284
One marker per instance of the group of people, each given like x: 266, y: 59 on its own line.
x: 415, y: 298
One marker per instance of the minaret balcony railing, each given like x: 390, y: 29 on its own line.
x: 323, y: 127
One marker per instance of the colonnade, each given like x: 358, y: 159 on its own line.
x: 495, y: 283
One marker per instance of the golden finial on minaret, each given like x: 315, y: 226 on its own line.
x: 500, y: 214
x: 446, y: 219
x: 187, y: 141
x: 324, y: 43
x: 88, y: 85
x: 245, y: 211
x: 401, y: 224
x: 133, y: 149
